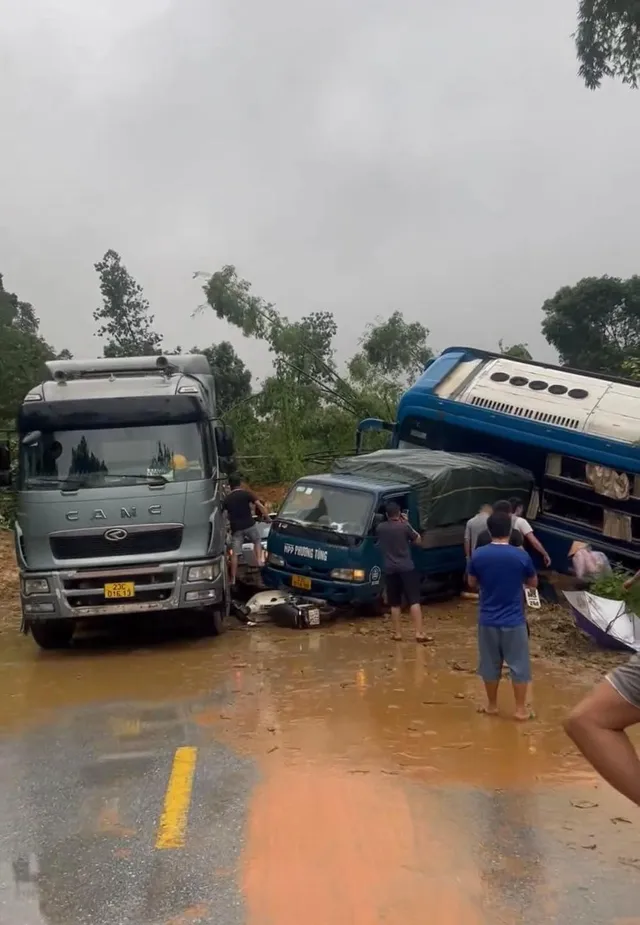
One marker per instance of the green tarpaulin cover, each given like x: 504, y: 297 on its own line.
x: 450, y: 487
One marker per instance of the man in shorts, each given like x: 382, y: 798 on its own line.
x: 239, y: 504
x: 500, y: 571
x: 598, y: 725
x: 395, y: 537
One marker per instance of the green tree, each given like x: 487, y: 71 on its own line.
x: 232, y: 378
x: 307, y: 344
x: 23, y: 353
x: 124, y: 317
x: 306, y: 412
x: 595, y: 325
x: 608, y: 41
x: 517, y: 351
x: 394, y: 349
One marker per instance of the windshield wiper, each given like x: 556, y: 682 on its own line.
x: 32, y: 480
x: 149, y: 479
x: 310, y: 525
x: 71, y: 480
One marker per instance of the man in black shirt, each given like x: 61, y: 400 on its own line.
x: 239, y: 504
x: 395, y: 537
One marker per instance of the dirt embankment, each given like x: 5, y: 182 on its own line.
x: 555, y: 635
x: 271, y: 495
x: 9, y: 600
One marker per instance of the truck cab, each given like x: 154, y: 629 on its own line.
x: 322, y: 541
x: 119, y: 494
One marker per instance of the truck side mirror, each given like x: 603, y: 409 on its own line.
x: 5, y: 466
x: 224, y: 441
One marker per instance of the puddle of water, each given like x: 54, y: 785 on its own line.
x: 347, y: 728
x: 344, y: 692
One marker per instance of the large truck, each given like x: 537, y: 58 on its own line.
x: 119, y: 473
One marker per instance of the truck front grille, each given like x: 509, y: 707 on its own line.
x: 87, y: 589
x: 93, y: 545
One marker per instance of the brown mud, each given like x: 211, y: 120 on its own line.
x: 381, y: 792
x: 554, y: 635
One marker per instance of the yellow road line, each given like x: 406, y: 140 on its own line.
x: 173, y: 822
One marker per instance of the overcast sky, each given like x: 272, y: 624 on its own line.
x: 441, y: 158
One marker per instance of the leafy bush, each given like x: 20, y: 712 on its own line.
x: 611, y: 586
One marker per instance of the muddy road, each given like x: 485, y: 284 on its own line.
x: 273, y: 777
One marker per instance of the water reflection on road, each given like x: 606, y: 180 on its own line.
x: 338, y: 777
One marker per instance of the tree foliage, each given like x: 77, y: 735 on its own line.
x: 517, y: 351
x: 23, y: 353
x: 595, y: 325
x: 395, y: 350
x: 124, y: 319
x: 232, y: 378
x: 306, y: 344
x: 307, y: 410
x: 608, y: 41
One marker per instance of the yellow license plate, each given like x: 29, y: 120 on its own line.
x: 120, y: 589
x: 300, y: 581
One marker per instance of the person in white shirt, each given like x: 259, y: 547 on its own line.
x: 525, y: 528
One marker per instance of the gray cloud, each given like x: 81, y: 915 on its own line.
x: 442, y: 159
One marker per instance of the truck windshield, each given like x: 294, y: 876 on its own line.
x: 71, y: 459
x: 329, y: 508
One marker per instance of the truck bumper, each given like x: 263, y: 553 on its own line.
x: 335, y: 592
x: 80, y: 593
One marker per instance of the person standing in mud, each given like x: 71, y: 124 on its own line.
x: 500, y: 570
x: 395, y: 538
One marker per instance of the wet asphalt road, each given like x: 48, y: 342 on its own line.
x: 273, y: 777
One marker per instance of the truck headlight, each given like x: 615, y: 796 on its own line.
x: 203, y: 572
x: 273, y: 559
x: 347, y: 574
x: 36, y: 586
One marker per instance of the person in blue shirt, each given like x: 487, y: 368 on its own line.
x: 500, y: 572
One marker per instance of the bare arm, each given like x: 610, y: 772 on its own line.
x: 261, y: 509
x: 472, y: 582
x: 416, y: 539
x: 631, y: 581
x: 531, y: 582
x: 533, y: 540
x: 259, y: 506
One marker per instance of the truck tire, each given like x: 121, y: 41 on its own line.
x: 212, y: 622
x: 52, y: 634
x: 377, y: 607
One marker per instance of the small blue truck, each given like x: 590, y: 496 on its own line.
x: 322, y: 542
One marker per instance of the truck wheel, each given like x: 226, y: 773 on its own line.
x: 374, y: 608
x: 52, y: 634
x: 212, y: 621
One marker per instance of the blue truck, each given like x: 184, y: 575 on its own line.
x: 577, y: 432
x: 322, y: 543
